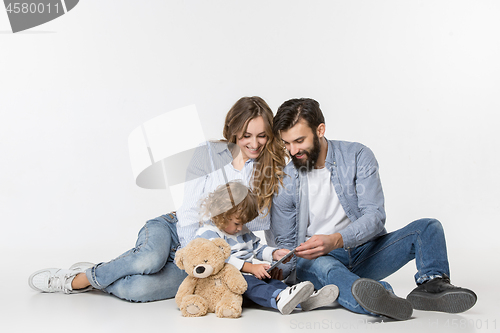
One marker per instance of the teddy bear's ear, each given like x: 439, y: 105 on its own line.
x: 224, y: 246
x: 179, y: 258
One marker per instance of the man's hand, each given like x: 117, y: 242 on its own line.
x: 319, y: 245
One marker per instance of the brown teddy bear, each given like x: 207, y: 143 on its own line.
x: 212, y: 285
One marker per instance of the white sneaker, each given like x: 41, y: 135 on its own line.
x: 52, y: 280
x: 325, y: 296
x: 292, y: 296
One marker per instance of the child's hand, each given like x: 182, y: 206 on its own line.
x: 260, y: 271
x: 278, y: 254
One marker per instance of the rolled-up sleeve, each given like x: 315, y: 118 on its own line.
x: 370, y: 201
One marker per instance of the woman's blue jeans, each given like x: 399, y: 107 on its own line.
x: 147, y: 271
x: 422, y: 240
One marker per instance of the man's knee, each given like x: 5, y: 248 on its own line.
x: 324, y: 267
x: 430, y: 224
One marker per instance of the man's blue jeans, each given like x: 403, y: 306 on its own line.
x: 422, y: 240
x: 147, y: 271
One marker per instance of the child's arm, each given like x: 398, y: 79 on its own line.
x: 258, y: 270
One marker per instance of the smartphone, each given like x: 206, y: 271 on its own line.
x: 281, y: 260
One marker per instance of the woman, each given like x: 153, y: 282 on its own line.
x: 147, y: 272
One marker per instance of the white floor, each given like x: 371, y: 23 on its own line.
x: 24, y: 310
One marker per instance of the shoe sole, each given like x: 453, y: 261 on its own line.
x: 326, y: 295
x: 306, y: 291
x: 449, y: 302
x: 373, y: 297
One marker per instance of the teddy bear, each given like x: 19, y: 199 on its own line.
x: 212, y: 285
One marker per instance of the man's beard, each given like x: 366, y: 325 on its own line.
x: 308, y: 163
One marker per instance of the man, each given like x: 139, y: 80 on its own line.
x: 331, y: 206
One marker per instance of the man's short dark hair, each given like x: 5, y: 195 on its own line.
x: 290, y: 113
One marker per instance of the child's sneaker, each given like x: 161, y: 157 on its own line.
x: 292, y: 296
x: 325, y: 296
x: 52, y: 280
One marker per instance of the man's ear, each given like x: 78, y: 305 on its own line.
x: 320, y: 131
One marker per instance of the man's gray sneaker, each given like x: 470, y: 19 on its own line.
x: 374, y: 298
x: 52, y: 280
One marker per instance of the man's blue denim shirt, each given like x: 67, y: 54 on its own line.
x: 355, y: 176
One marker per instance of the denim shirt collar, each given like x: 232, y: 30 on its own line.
x: 330, y: 155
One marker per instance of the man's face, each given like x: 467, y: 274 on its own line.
x: 302, y: 144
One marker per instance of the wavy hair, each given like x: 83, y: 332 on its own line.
x: 230, y: 200
x: 268, y: 168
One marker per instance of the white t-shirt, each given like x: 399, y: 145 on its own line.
x: 326, y: 214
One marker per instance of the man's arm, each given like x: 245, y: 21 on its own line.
x: 370, y: 202
x: 283, y: 216
x: 284, y: 224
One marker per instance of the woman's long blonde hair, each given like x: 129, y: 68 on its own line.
x: 268, y: 168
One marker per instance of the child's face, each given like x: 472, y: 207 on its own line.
x: 233, y: 225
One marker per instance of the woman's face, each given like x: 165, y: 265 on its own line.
x: 254, y: 139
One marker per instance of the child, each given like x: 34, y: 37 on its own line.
x: 229, y: 207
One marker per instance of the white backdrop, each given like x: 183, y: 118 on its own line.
x: 416, y: 81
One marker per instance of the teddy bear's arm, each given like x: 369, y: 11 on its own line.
x: 186, y: 288
x: 233, y: 279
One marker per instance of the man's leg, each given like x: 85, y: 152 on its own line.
x: 327, y: 270
x: 424, y: 241
x: 355, y: 294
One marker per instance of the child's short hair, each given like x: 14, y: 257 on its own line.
x: 228, y: 200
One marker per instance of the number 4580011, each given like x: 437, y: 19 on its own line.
x: 24, y: 8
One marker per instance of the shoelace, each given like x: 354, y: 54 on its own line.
x: 58, y: 283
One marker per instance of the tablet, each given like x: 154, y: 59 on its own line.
x: 281, y: 260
